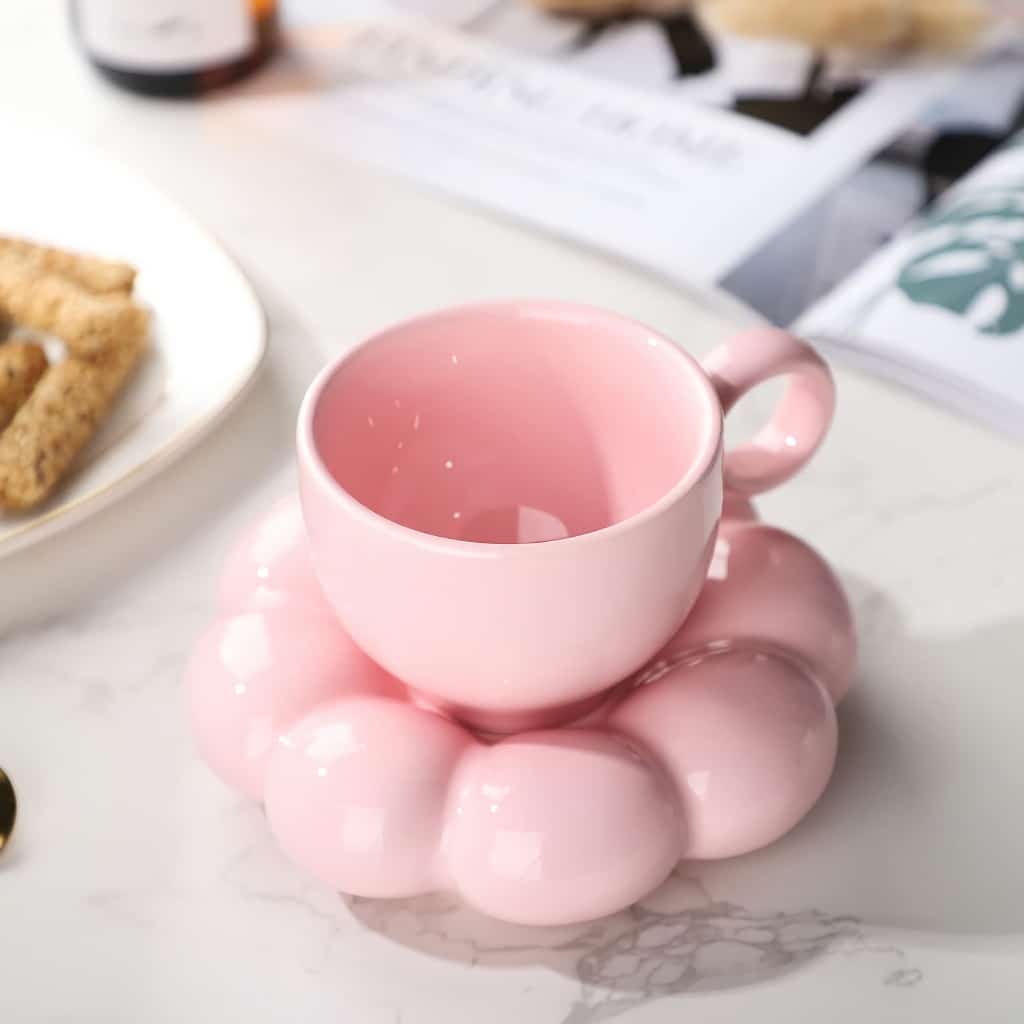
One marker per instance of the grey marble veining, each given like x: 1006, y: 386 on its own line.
x: 678, y: 941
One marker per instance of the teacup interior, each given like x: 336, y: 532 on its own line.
x: 512, y: 424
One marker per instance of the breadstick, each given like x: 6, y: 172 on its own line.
x: 819, y: 23
x: 948, y: 24
x: 867, y: 24
x: 88, y: 324
x: 22, y: 363
x: 56, y: 422
x: 90, y: 272
x: 613, y: 8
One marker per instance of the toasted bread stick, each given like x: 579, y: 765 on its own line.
x: 948, y: 24
x: 89, y: 272
x: 868, y: 24
x: 22, y: 363
x: 614, y: 8
x: 88, y: 324
x: 57, y: 420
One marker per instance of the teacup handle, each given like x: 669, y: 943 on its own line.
x: 800, y: 421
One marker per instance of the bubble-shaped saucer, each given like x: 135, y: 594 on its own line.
x: 717, y: 747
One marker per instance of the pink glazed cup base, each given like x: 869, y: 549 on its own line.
x: 720, y: 746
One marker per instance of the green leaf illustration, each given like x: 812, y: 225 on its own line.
x: 975, y: 269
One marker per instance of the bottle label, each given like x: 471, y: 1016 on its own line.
x: 165, y: 35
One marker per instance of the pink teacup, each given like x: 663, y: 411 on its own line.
x: 512, y: 506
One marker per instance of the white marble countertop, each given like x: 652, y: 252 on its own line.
x: 139, y: 889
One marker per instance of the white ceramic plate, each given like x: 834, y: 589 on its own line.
x: 209, y: 332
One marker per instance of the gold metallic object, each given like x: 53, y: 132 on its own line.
x: 8, y: 808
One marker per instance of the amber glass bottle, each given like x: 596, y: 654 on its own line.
x: 175, y: 47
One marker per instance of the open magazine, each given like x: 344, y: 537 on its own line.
x: 646, y: 137
x: 942, y: 307
x: 759, y: 165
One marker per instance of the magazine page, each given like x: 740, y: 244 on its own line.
x: 829, y: 241
x: 942, y: 307
x: 648, y: 138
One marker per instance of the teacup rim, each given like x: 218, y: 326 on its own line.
x: 309, y: 454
